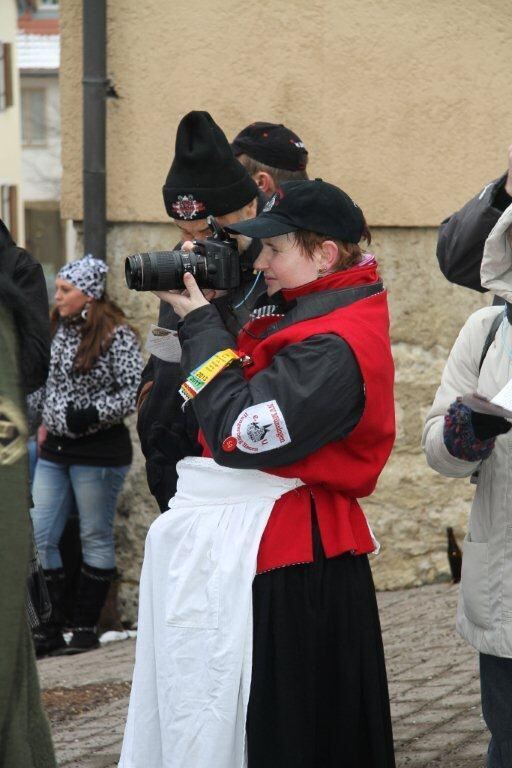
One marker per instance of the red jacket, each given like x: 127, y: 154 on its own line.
x: 340, y: 472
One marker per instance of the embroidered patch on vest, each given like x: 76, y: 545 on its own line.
x: 186, y: 207
x: 261, y: 428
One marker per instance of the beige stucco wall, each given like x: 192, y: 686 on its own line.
x: 402, y: 103
x: 10, y: 143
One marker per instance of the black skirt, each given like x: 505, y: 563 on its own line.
x: 319, y: 694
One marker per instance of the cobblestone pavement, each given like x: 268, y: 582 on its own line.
x: 433, y: 678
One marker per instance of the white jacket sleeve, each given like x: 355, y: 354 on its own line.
x: 460, y: 377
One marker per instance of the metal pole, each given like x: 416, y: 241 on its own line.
x: 94, y: 125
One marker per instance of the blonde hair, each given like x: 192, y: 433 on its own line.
x: 349, y: 254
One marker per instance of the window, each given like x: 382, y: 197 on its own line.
x: 9, y: 208
x: 6, y: 96
x: 33, y: 116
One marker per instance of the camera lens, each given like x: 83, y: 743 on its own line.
x: 133, y: 271
x: 163, y: 270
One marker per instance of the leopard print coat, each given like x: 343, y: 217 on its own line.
x: 110, y: 386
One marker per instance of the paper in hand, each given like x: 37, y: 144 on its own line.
x: 164, y: 344
x: 500, y: 405
x: 504, y: 397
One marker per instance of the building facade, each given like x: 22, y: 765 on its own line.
x: 401, y: 104
x: 38, y: 49
x: 11, y: 210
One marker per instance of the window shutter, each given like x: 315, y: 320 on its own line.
x: 9, y: 208
x: 13, y: 212
x: 2, y: 77
x: 9, y: 90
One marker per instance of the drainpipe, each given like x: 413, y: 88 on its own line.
x: 94, y: 126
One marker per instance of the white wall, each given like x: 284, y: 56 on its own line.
x: 42, y: 169
x: 10, y: 143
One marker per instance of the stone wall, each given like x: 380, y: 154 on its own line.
x: 400, y: 103
x: 412, y: 505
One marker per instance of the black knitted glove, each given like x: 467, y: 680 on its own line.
x: 486, y: 426
x: 80, y: 419
x: 459, y: 436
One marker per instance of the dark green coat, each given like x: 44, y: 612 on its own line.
x: 25, y: 740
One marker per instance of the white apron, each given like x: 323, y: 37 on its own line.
x: 193, y: 661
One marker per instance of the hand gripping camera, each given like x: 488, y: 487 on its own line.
x: 214, y: 262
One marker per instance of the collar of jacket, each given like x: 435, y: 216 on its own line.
x: 262, y: 201
x: 318, y: 304
x: 346, y: 278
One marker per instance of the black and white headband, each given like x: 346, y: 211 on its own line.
x: 87, y: 274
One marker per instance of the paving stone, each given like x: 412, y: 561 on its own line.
x: 473, y: 749
x: 462, y: 699
x: 433, y: 677
x: 420, y: 759
x: 400, y: 709
x: 442, y: 739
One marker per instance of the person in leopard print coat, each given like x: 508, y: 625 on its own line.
x: 74, y: 406
x: 94, y: 372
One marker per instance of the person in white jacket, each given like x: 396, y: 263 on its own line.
x: 458, y: 442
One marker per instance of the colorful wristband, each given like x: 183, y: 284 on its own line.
x: 206, y: 372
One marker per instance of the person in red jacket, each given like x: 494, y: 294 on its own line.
x: 303, y: 398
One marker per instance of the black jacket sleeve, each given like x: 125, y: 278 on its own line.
x: 35, y: 350
x: 462, y: 236
x: 167, y: 433
x: 316, y: 384
x: 167, y: 318
x: 165, y: 378
x: 27, y: 275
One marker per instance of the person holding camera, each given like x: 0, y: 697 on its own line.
x: 462, y: 236
x: 296, y: 422
x: 95, y: 368
x: 461, y: 440
x: 204, y: 180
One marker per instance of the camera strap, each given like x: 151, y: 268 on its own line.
x: 206, y: 372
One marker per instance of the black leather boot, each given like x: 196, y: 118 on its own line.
x: 92, y: 592
x: 48, y: 638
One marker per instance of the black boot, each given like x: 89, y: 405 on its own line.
x: 92, y: 593
x: 48, y: 637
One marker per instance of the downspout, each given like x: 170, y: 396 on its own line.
x: 94, y: 126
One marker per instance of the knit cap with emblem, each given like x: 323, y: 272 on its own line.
x: 205, y: 178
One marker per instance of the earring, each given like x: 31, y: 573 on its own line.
x: 85, y: 311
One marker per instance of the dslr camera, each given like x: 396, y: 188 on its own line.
x: 214, y: 262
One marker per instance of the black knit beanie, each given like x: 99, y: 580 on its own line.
x: 205, y: 178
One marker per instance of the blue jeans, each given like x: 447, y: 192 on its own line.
x: 32, y: 458
x: 94, y: 490
x: 496, y: 689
